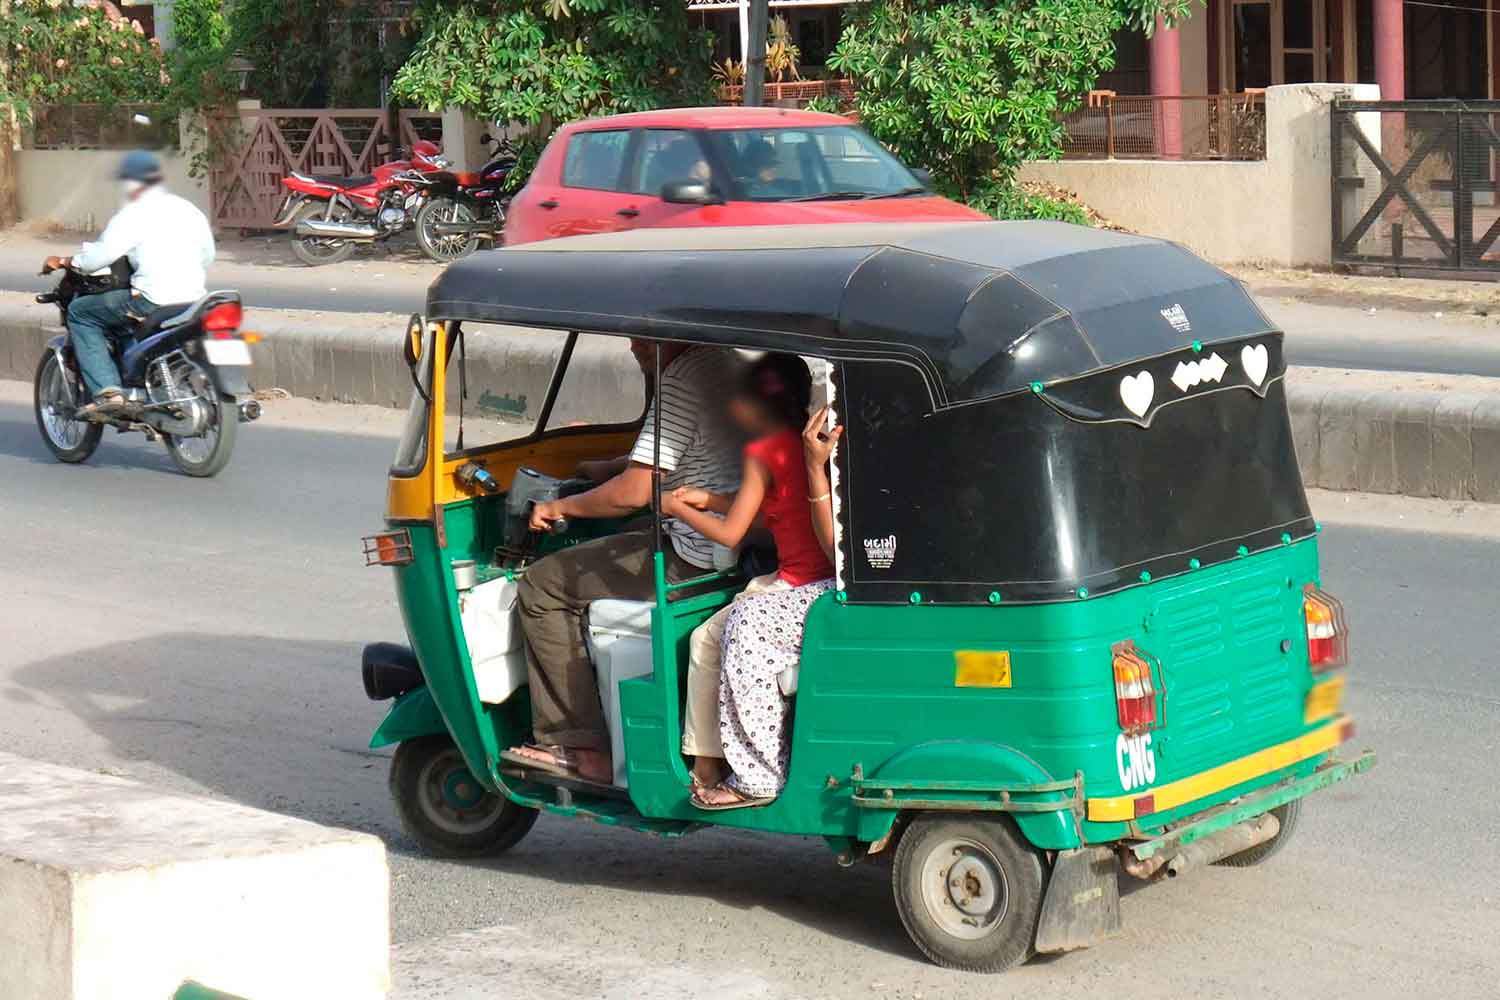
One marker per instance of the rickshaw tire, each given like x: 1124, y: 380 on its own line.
x: 1289, y: 815
x: 1012, y: 941
x: 408, y: 778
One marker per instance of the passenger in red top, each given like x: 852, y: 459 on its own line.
x: 771, y: 407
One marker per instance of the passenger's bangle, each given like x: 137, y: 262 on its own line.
x: 820, y: 499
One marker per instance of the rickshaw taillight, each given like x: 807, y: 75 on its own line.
x: 389, y: 548
x: 1327, y: 635
x: 1135, y: 690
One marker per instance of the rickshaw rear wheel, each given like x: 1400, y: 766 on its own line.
x: 1288, y: 815
x: 445, y: 809
x: 969, y: 891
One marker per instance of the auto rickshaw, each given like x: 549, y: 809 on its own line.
x: 1078, y: 625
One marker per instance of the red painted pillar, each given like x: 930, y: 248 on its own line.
x: 1390, y: 50
x: 1166, y: 81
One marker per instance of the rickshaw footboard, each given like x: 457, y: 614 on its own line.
x: 1242, y: 810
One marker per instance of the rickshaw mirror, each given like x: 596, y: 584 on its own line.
x: 411, y: 347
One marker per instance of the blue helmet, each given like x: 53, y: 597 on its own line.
x: 139, y: 165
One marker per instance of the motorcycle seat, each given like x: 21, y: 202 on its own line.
x: 359, y: 180
x: 163, y: 317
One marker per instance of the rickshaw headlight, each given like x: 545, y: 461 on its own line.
x: 1327, y: 634
x: 1135, y: 689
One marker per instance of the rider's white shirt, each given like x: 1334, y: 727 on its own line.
x: 167, y: 240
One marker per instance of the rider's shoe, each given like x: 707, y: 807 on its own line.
x: 109, y: 403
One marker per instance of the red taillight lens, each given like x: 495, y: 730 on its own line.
x: 1327, y: 634
x: 389, y: 548
x: 222, y: 318
x: 1135, y: 691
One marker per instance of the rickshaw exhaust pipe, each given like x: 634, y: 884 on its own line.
x: 1214, y: 847
x: 1220, y: 845
x: 331, y: 228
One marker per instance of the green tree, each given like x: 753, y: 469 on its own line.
x: 61, y: 54
x: 545, y: 62
x: 972, y: 89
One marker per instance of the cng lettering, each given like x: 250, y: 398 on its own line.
x: 1136, y: 761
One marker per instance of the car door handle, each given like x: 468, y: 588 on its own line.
x: 549, y: 203
x: 629, y: 213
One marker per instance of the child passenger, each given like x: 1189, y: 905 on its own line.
x: 771, y: 406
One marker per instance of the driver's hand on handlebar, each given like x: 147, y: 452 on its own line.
x: 55, y: 264
x: 543, y: 514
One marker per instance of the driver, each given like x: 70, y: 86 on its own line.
x: 169, y: 245
x: 699, y: 447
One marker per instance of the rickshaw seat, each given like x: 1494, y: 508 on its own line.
x: 625, y: 617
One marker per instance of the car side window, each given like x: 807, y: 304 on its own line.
x: 596, y: 160
x: 667, y: 155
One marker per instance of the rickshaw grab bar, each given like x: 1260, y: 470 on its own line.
x: 993, y: 797
x: 698, y: 581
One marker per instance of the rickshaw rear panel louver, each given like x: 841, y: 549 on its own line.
x: 1037, y: 410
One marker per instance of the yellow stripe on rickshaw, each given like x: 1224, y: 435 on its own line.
x: 1164, y: 797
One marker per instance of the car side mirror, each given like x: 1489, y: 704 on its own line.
x: 923, y: 176
x: 690, y: 193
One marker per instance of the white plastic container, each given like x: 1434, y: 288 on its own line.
x: 493, y: 633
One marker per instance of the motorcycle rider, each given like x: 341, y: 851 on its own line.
x: 170, y: 246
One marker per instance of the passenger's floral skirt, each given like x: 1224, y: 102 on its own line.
x: 762, y: 638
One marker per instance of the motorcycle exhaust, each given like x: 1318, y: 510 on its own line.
x: 249, y: 410
x: 464, y: 228
x: 329, y: 228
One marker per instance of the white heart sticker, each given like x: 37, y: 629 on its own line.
x: 1256, y: 361
x: 1136, y: 392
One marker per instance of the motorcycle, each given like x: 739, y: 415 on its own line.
x: 329, y: 215
x: 184, y: 369
x: 460, y: 209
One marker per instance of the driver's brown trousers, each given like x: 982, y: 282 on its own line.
x: 552, y: 597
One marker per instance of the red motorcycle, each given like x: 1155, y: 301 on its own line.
x: 328, y: 215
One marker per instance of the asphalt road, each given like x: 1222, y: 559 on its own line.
x: 393, y: 278
x: 204, y: 636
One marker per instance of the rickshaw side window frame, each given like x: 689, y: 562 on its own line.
x: 540, y: 431
x: 417, y: 428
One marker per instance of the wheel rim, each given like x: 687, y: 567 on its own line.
x: 964, y: 888
x: 454, y: 245
x: 63, y: 431
x: 198, y: 450
x: 453, y: 799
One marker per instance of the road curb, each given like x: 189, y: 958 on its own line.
x: 1375, y: 432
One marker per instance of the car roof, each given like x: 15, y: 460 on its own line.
x: 982, y: 309
x: 720, y: 117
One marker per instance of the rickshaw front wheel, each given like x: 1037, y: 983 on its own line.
x: 445, y: 809
x: 969, y: 891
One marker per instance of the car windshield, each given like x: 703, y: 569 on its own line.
x: 832, y: 163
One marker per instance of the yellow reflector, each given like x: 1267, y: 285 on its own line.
x: 979, y: 668
x: 1323, y: 700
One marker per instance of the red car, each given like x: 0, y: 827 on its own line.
x: 724, y: 166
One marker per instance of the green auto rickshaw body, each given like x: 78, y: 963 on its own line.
x: 1060, y: 444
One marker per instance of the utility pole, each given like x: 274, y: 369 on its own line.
x: 755, y: 54
x: 10, y: 207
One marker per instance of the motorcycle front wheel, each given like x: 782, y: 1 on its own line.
x: 70, y: 440
x: 314, y: 251
x: 441, y: 248
x: 207, y: 454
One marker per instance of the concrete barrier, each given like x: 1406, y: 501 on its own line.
x: 110, y: 889
x: 1377, y: 432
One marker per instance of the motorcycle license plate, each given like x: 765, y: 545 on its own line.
x: 414, y: 199
x: 226, y: 352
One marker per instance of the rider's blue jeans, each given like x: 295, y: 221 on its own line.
x: 92, y: 321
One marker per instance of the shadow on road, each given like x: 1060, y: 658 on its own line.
x: 281, y: 724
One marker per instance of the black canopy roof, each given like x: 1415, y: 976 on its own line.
x: 980, y: 308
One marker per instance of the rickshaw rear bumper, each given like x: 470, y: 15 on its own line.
x: 1221, y: 825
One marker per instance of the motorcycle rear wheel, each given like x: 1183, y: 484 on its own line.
x: 70, y: 441
x: 445, y: 249
x: 207, y: 454
x: 315, y: 251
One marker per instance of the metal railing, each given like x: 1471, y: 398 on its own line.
x: 791, y: 94
x: 1148, y: 127
x: 99, y: 126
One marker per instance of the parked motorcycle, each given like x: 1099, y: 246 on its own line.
x: 463, y: 208
x: 329, y: 215
x: 184, y: 370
